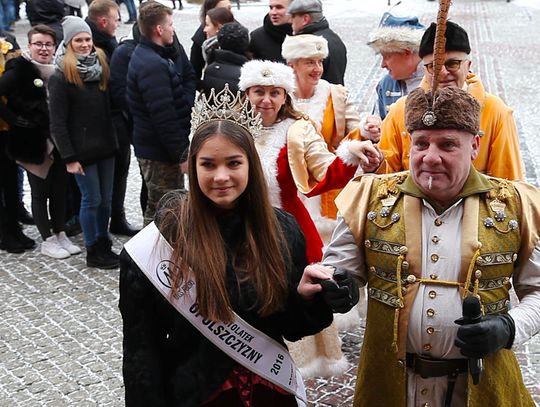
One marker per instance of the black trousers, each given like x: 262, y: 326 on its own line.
x: 9, y: 193
x: 49, y: 199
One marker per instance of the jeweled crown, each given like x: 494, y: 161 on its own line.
x: 225, y: 105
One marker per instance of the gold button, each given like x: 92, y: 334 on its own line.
x: 430, y: 312
x: 478, y: 274
x: 438, y: 222
x: 434, y: 258
x: 367, y: 243
x: 411, y: 278
x: 435, y: 239
x: 372, y: 269
x: 424, y: 391
x: 514, y: 257
x: 425, y: 405
x: 506, y: 280
x: 430, y: 330
x: 433, y: 276
x: 403, y: 290
x: 405, y: 265
x: 400, y: 363
x: 432, y: 294
x: 427, y: 347
x: 403, y: 250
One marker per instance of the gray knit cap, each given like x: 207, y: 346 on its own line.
x: 72, y: 25
x: 305, y: 7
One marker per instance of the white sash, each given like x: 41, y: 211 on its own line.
x: 240, y: 341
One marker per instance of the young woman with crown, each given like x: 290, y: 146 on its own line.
x: 224, y: 276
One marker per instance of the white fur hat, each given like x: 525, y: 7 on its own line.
x: 266, y: 73
x: 304, y: 46
x: 395, y: 39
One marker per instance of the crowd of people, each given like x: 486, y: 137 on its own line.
x: 295, y: 202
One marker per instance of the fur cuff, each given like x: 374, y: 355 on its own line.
x: 346, y: 156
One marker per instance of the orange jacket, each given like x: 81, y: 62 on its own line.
x: 499, y: 154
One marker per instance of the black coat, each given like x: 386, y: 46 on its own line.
x: 81, y: 124
x: 196, y: 57
x: 266, y: 41
x: 224, y: 69
x: 25, y: 111
x: 167, y: 362
x: 335, y: 64
x: 161, y: 93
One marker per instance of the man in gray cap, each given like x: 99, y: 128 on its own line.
x: 307, y: 18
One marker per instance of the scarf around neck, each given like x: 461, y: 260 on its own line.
x: 88, y: 65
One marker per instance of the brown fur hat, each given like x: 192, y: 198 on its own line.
x: 454, y: 108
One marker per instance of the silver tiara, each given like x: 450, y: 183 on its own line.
x: 225, y: 105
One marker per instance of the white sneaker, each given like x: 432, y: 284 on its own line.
x: 51, y: 247
x: 67, y: 244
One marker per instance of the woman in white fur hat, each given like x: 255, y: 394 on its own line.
x: 295, y: 159
x: 328, y: 105
x: 295, y: 156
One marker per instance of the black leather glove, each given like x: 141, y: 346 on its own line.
x: 341, y: 292
x: 492, y: 333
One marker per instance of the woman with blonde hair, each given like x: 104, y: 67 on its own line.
x: 82, y: 129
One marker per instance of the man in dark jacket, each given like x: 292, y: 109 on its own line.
x: 160, y: 91
x: 104, y: 19
x: 266, y: 40
x: 307, y: 18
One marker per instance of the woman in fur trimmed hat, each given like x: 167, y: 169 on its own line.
x: 296, y: 159
x: 327, y: 105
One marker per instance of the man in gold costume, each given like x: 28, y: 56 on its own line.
x: 423, y: 241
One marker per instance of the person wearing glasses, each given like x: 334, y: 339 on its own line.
x: 499, y: 154
x: 24, y: 85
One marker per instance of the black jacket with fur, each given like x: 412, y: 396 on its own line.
x: 167, y: 362
x: 25, y: 110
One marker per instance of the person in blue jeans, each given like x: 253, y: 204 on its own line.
x: 83, y: 132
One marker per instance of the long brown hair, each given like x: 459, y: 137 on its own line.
x: 200, y: 247
x: 72, y: 75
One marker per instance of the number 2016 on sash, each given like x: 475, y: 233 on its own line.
x: 276, y: 367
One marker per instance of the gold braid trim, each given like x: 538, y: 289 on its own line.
x: 401, y: 258
x: 469, y: 276
x: 429, y: 281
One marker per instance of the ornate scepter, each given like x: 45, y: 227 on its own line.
x: 439, y: 50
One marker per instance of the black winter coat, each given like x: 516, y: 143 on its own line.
x: 167, y: 362
x: 160, y: 94
x: 81, y: 124
x: 266, y: 41
x: 196, y: 57
x: 335, y: 64
x: 25, y: 111
x: 224, y: 69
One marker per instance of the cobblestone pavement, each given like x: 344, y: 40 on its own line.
x: 60, y: 330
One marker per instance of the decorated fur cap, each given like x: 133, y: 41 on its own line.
x: 396, y: 34
x: 304, y: 46
x: 453, y: 108
x: 266, y: 73
x: 456, y: 39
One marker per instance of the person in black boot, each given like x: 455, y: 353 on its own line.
x: 101, y: 256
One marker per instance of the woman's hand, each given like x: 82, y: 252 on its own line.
x: 75, y: 168
x: 372, y: 128
x: 309, y: 283
x: 368, y: 154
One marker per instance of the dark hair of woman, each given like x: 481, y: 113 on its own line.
x: 207, y: 6
x: 288, y: 111
x: 199, y: 246
x: 220, y: 16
